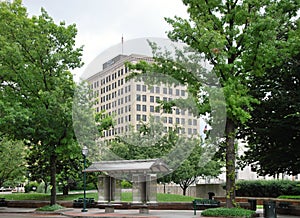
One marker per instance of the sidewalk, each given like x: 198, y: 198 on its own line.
x: 95, y: 212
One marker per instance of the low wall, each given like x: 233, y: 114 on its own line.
x: 203, y: 189
x: 198, y: 191
x: 36, y: 204
x: 175, y: 189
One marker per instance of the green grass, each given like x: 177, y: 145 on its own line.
x: 297, y: 197
x: 126, y: 197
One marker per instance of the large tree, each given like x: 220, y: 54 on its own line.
x: 240, y: 39
x: 36, y: 85
x: 273, y: 132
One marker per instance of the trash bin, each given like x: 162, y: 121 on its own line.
x: 252, y: 204
x: 270, y: 209
x: 211, y: 195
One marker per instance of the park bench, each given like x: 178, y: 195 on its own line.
x: 204, y: 203
x: 78, y: 203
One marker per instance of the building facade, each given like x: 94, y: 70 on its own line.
x: 132, y: 102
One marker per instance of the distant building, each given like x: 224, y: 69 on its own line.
x: 131, y: 102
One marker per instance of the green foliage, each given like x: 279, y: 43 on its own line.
x: 41, y: 188
x: 12, y: 169
x: 267, y: 188
x: 240, y: 39
x: 273, y: 132
x: 50, y: 208
x: 228, y: 212
x: 31, y: 186
x: 126, y: 184
x: 37, y: 87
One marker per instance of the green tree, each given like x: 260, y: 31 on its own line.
x: 149, y: 143
x: 36, y: 87
x: 240, y: 39
x: 12, y: 169
x: 273, y: 132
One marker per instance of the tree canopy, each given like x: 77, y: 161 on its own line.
x: 36, y: 85
x: 273, y: 131
x: 240, y: 39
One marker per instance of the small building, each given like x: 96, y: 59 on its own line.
x: 142, y: 173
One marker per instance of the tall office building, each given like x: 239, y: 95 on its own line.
x: 132, y: 102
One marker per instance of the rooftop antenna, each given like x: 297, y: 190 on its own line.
x: 122, y: 43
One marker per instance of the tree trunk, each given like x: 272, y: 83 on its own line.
x: 53, y: 179
x: 65, y: 189
x: 184, y: 188
x: 230, y: 163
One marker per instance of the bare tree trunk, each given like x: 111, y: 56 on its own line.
x: 53, y: 179
x: 184, y: 190
x: 230, y: 163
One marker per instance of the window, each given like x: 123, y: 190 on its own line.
x: 177, y: 120
x: 144, y: 98
x: 190, y: 121
x: 152, y: 99
x: 144, y: 108
x: 194, y: 122
x: 182, y: 121
x: 138, y: 87
x: 182, y: 93
x: 189, y: 131
x: 151, y: 108
x: 182, y: 112
x: 170, y: 120
x: 157, y: 89
x: 144, y: 118
x: 138, y: 107
x: 138, y: 97
x: 165, y: 90
x: 144, y: 88
x: 170, y: 91
x: 138, y: 117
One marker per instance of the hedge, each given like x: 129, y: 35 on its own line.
x: 267, y: 188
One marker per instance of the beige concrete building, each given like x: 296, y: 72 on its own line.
x: 132, y: 102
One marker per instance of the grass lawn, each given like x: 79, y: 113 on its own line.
x: 126, y: 197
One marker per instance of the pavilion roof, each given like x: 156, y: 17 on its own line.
x: 129, y: 166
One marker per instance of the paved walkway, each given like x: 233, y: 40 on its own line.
x: 94, y: 212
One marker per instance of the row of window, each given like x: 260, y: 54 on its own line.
x: 114, y: 76
x: 123, y: 129
x: 170, y: 120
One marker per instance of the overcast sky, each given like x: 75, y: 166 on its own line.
x: 101, y: 23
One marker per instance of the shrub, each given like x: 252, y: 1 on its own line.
x: 126, y: 184
x: 267, y: 188
x: 50, y: 208
x: 31, y: 186
x: 228, y: 212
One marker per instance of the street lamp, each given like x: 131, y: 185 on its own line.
x: 85, y: 151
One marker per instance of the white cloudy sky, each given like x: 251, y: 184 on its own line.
x: 101, y: 23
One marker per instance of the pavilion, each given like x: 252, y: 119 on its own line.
x: 142, y: 173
